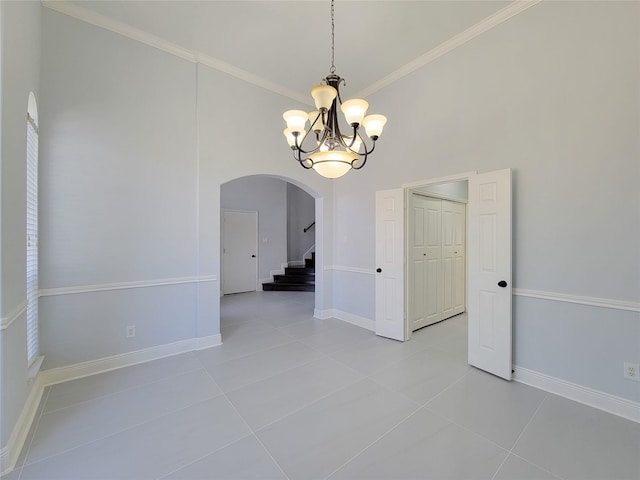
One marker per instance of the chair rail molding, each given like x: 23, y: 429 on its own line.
x: 581, y: 300
x: 13, y: 315
x: 47, y: 292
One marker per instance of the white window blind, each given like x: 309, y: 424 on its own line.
x: 32, y: 240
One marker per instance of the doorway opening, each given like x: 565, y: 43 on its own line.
x: 488, y: 278
x: 435, y: 250
x: 286, y: 228
x: 436, y: 253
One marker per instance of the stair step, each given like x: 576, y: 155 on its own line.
x: 299, y: 271
x: 288, y: 287
x: 302, y: 279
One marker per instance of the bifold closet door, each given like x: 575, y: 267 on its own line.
x: 453, y: 258
x: 426, y: 262
x: 437, y: 263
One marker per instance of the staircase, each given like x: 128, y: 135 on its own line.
x: 295, y: 279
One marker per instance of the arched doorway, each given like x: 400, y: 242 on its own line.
x: 268, y: 198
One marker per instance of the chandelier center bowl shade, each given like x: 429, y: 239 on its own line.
x: 316, y: 138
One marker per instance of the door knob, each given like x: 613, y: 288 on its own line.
x: 502, y: 283
x: 379, y: 270
x: 253, y: 256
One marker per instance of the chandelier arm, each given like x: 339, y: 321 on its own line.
x: 303, y: 162
x: 360, y: 161
x: 366, y: 151
x: 298, y: 146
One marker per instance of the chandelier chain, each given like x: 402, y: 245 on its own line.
x: 333, y: 38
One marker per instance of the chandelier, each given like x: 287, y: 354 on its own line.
x: 321, y: 145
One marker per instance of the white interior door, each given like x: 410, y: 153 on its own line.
x: 489, y: 255
x: 454, y: 228
x: 390, y: 319
x: 239, y: 251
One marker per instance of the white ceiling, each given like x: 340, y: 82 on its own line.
x: 288, y: 43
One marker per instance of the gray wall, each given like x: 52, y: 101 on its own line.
x: 135, y: 146
x: 552, y: 93
x: 300, y: 214
x: 118, y: 183
x: 20, y: 24
x: 268, y: 197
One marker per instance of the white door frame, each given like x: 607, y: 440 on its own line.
x: 408, y: 189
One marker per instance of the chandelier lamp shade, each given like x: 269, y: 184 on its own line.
x: 315, y: 137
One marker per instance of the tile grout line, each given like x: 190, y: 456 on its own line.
x: 479, y: 435
x: 426, y: 349
x: 120, y: 369
x: 420, y: 407
x: 249, y: 354
x: 204, y: 456
x: 299, y: 409
x: 306, y: 362
x: 544, y: 399
x: 128, y: 389
x: 555, y: 475
x: 252, y: 432
x: 448, y: 387
x: 128, y: 427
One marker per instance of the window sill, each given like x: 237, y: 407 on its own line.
x: 34, y: 369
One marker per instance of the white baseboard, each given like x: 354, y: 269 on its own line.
x: 100, y: 365
x: 356, y: 320
x: 10, y: 453
x: 594, y: 398
x: 588, y: 396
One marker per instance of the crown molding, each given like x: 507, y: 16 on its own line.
x: 454, y: 42
x: 89, y: 16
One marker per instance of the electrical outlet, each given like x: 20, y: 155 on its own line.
x: 632, y: 371
x: 131, y: 331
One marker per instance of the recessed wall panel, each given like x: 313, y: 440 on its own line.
x: 389, y: 241
x: 448, y: 225
x: 488, y: 243
x: 487, y: 318
x: 418, y: 290
x: 447, y: 272
x: 418, y: 229
x: 432, y: 287
x: 488, y: 193
x: 433, y: 228
x: 389, y: 297
x: 458, y: 294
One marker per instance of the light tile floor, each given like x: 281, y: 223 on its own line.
x: 290, y: 396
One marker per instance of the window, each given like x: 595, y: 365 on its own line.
x: 33, y: 347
